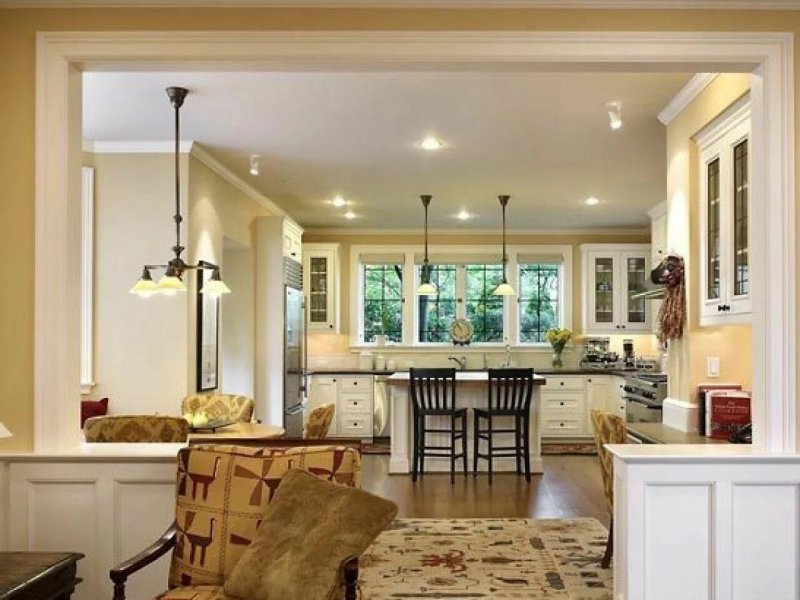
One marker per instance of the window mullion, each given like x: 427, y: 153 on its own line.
x: 461, y: 292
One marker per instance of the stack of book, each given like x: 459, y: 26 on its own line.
x: 725, y: 409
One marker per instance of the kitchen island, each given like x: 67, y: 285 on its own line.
x: 471, y: 392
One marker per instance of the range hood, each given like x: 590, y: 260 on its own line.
x: 656, y: 293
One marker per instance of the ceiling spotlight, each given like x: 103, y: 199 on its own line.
x: 349, y: 215
x: 338, y: 201
x: 254, y: 165
x: 431, y: 143
x: 592, y: 201
x: 614, y: 115
x: 463, y: 215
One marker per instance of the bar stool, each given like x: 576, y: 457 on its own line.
x: 509, y: 395
x: 433, y: 394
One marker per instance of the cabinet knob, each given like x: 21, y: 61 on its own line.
x: 355, y: 383
x: 617, y: 326
x: 334, y: 381
x: 561, y: 383
x: 561, y: 403
x: 330, y: 326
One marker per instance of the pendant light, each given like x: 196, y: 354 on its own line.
x: 426, y: 288
x: 504, y: 289
x: 172, y: 281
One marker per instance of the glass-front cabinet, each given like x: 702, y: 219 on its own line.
x: 724, y: 209
x: 321, y: 287
x: 613, y: 274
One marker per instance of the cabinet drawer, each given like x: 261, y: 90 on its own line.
x: 359, y: 383
x: 354, y: 404
x: 564, y: 383
x: 560, y: 403
x: 567, y: 426
x: 354, y: 426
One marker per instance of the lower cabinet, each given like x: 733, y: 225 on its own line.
x: 568, y: 401
x: 352, y: 396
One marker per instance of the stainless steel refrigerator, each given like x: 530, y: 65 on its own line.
x: 294, y: 353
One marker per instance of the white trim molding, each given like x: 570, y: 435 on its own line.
x: 61, y: 55
x: 685, y: 96
x: 461, y: 231
x: 87, y: 279
x: 135, y: 146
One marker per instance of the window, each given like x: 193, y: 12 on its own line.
x: 539, y: 301
x: 482, y: 308
x: 436, y: 313
x: 383, y: 302
x: 740, y: 250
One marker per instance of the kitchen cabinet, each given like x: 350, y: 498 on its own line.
x: 321, y: 286
x: 563, y: 410
x: 292, y: 241
x: 612, y: 273
x: 599, y: 396
x: 353, y: 398
x: 725, y: 225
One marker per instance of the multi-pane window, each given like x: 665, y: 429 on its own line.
x: 436, y: 313
x: 383, y: 302
x: 483, y: 308
x: 740, y: 245
x: 539, y: 301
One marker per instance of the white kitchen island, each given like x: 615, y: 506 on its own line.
x: 471, y: 392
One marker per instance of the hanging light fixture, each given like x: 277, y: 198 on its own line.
x: 172, y: 281
x: 426, y: 288
x: 504, y: 289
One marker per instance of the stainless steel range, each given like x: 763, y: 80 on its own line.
x: 644, y: 395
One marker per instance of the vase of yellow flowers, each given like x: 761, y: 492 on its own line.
x: 558, y: 338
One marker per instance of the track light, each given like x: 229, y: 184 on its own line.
x: 254, y: 165
x: 614, y: 115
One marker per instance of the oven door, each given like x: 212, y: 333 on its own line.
x: 639, y: 411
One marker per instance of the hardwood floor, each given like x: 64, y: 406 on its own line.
x: 570, y: 487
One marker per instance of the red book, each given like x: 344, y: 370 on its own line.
x: 727, y: 412
x: 702, y: 390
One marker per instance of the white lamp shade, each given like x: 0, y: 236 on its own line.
x: 144, y: 288
x: 5, y: 433
x: 169, y: 284
x: 504, y: 289
x: 215, y: 287
x: 427, y: 289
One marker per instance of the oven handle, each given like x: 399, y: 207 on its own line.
x: 635, y: 391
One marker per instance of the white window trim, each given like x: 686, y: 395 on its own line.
x: 510, y: 307
x: 87, y: 279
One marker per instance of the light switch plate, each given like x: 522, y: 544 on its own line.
x: 713, y: 366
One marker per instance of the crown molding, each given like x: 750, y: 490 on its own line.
x: 135, y: 147
x: 685, y: 96
x: 340, y: 231
x: 212, y: 163
x: 475, y: 4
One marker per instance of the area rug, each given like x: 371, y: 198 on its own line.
x: 562, y: 449
x: 487, y: 558
x: 377, y: 448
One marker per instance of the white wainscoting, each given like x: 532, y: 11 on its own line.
x: 108, y: 509
x: 696, y: 523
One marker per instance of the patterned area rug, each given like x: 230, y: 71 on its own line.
x: 561, y: 449
x: 487, y: 559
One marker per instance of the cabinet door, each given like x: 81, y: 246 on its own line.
x: 320, y: 276
x: 598, y: 396
x: 739, y: 218
x: 603, y: 280
x: 712, y: 232
x: 324, y: 390
x: 635, y: 271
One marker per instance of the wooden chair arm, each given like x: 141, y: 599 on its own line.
x: 119, y: 574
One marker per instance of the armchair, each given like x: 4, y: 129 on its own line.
x: 227, y: 489
x: 220, y: 406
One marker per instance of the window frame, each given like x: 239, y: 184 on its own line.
x: 562, y: 300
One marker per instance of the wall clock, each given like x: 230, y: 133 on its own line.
x: 461, y: 331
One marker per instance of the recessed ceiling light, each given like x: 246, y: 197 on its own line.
x: 431, y: 143
x: 349, y: 215
x: 592, y: 201
x: 254, y: 165
x: 614, y: 115
x: 338, y: 201
x: 463, y: 215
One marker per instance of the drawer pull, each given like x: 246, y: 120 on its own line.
x: 355, y: 383
x: 561, y: 403
x: 562, y: 383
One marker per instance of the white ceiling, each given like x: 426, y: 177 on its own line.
x: 541, y: 137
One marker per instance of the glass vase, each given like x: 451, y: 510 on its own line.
x: 557, y: 360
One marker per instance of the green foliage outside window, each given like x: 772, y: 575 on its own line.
x: 538, y: 301
x: 383, y: 302
x: 436, y: 313
x: 483, y: 308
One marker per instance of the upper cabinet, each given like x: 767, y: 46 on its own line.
x: 321, y: 285
x: 612, y: 273
x: 292, y: 241
x: 724, y: 209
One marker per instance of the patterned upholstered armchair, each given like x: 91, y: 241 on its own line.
x: 226, y: 407
x: 608, y: 429
x: 221, y: 497
x: 136, y: 428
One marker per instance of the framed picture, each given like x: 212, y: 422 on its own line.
x: 207, y: 336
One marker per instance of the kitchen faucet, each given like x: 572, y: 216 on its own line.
x: 461, y: 362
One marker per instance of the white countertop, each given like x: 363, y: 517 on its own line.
x: 461, y: 376
x: 101, y: 453
x: 696, y: 453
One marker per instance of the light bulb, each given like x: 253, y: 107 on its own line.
x: 463, y: 215
x: 254, y: 166
x: 349, y: 215
x: 338, y: 201
x: 431, y: 143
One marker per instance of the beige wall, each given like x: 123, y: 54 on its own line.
x: 732, y: 344
x: 18, y: 29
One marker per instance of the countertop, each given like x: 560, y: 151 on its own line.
x: 658, y: 433
x: 466, y: 377
x: 549, y: 371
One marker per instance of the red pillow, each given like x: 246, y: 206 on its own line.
x: 93, y: 408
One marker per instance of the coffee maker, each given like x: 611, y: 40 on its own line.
x: 628, y: 355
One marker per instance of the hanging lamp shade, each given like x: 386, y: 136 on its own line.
x: 145, y: 287
x: 504, y: 288
x: 426, y: 288
x: 215, y: 286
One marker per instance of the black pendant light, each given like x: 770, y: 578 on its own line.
x: 172, y: 280
x: 504, y: 289
x: 426, y: 288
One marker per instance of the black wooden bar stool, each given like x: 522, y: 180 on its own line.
x: 433, y: 394
x: 509, y: 395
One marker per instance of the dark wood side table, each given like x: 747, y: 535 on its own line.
x: 38, y: 575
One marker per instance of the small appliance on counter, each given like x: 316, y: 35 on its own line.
x: 595, y: 349
x: 628, y: 354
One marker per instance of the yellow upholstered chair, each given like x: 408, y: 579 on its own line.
x: 608, y: 429
x: 136, y: 428
x: 220, y: 407
x: 221, y: 498
x: 319, y: 422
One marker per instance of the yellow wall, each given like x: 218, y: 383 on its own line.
x: 732, y: 344
x: 18, y: 29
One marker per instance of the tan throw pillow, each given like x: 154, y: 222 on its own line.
x: 310, y: 528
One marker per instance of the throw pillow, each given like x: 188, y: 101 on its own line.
x: 311, y: 527
x: 93, y: 408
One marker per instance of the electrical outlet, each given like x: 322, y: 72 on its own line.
x: 713, y: 366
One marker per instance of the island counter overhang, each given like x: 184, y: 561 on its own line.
x: 471, y: 392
